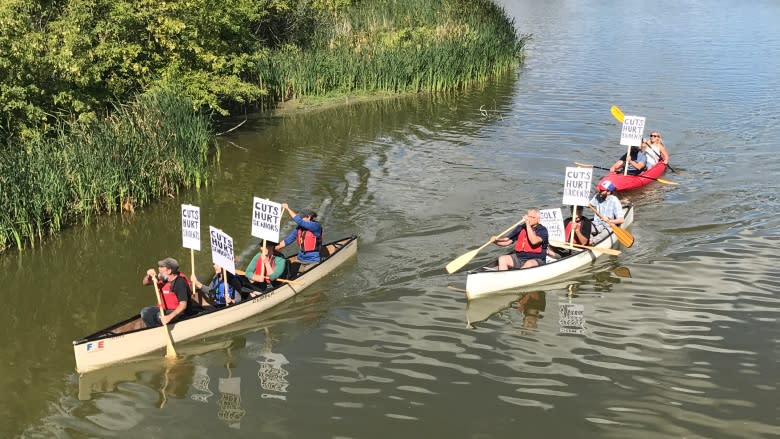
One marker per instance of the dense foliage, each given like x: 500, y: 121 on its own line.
x: 84, y: 83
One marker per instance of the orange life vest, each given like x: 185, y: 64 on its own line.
x: 259, y: 265
x: 576, y: 238
x: 169, y: 299
x: 308, y: 241
x: 523, y: 245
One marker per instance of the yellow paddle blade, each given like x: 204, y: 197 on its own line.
x: 664, y: 181
x: 622, y: 272
x: 461, y: 260
x: 624, y: 236
x: 617, y: 114
x: 608, y: 251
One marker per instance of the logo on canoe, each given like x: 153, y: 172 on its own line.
x: 95, y: 346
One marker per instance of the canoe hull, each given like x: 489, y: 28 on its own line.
x: 482, y: 281
x: 102, y: 349
x: 629, y: 182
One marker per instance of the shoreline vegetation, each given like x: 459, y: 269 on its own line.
x: 107, y: 105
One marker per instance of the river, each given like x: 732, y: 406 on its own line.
x: 679, y: 334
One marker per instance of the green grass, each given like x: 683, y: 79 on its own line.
x: 140, y: 152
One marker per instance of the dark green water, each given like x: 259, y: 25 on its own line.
x: 687, y: 346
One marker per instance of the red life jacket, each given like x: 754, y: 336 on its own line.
x: 259, y: 265
x: 523, y: 245
x: 576, y: 238
x: 308, y: 241
x: 169, y: 299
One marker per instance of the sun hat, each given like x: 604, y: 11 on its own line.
x: 171, y: 263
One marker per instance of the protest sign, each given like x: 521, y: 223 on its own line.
x: 266, y: 219
x: 190, y: 227
x: 552, y: 220
x: 222, y: 249
x: 576, y: 186
x: 633, y: 128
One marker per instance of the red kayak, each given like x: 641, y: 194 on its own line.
x: 628, y: 182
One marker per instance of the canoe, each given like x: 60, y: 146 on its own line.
x: 129, y: 339
x: 629, y: 182
x: 488, y: 279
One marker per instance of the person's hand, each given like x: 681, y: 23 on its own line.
x: 165, y: 319
x: 493, y: 238
x: 150, y: 272
x: 285, y: 206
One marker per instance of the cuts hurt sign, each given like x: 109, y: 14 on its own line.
x: 222, y: 249
x: 633, y: 128
x: 190, y: 226
x: 266, y: 219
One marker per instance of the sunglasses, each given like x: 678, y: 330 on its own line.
x: 654, y: 135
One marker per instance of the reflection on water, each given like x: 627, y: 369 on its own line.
x: 677, y: 332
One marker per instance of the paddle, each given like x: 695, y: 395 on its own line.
x: 464, y: 259
x: 622, y: 272
x: 609, y: 251
x: 624, y: 236
x: 170, y: 352
x: 660, y: 180
x: 617, y: 114
x: 288, y: 281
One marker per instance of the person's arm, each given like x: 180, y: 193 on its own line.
x: 287, y: 241
x: 617, y: 211
x: 618, y: 164
x: 506, y: 240
x: 150, y: 275
x: 534, y: 238
x: 664, y: 154
x: 579, y: 233
x: 199, y: 286
x: 641, y: 161
x: 250, y: 269
x: 279, y: 270
x: 286, y: 207
x: 312, y: 226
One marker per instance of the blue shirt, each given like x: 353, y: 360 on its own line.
x: 610, y: 208
x: 312, y: 226
x: 639, y: 157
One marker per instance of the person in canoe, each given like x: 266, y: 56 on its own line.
x: 530, y: 244
x: 582, y: 232
x: 274, y: 263
x: 637, y: 162
x: 607, y: 205
x: 655, y: 150
x: 215, y: 290
x: 308, y: 235
x: 175, y: 291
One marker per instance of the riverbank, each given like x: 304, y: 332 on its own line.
x: 66, y: 140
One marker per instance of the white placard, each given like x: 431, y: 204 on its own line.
x: 222, y: 249
x: 633, y: 127
x: 576, y: 186
x: 571, y: 315
x: 190, y: 226
x: 552, y: 220
x: 266, y: 219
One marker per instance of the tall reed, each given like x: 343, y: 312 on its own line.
x: 399, y: 46
x: 141, y: 151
